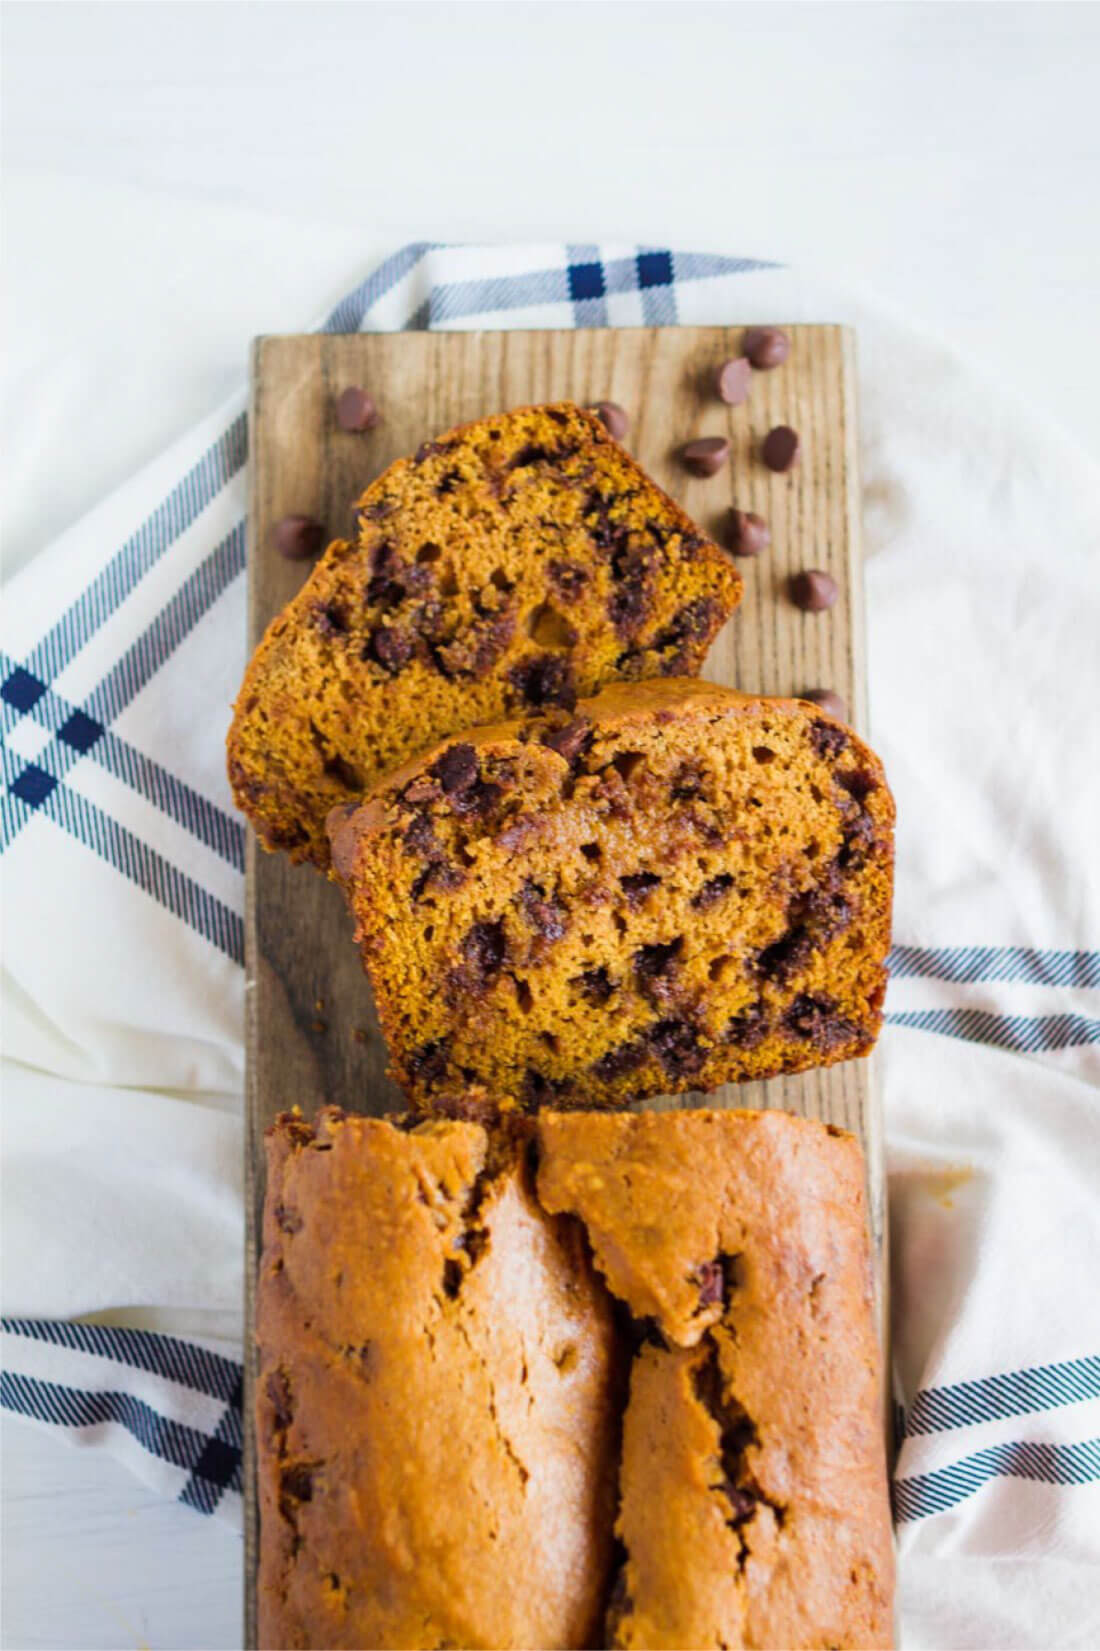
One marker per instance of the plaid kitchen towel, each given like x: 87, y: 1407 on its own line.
x: 123, y: 990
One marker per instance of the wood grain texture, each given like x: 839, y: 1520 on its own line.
x: 312, y: 1036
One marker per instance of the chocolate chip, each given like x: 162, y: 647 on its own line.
x: 330, y: 619
x: 815, y: 1020
x: 826, y: 738
x: 638, y: 886
x: 765, y: 346
x: 734, y: 379
x: 613, y: 418
x: 828, y: 701
x: 568, y: 578
x: 516, y: 832
x: 596, y: 985
x: 858, y: 783
x: 748, y: 1029
x: 687, y: 782
x: 421, y: 790
x: 483, y: 952
x: 545, y: 679
x: 287, y: 1220
x: 429, y: 1062
x: 548, y: 918
x: 569, y: 742
x: 676, y: 1045
x: 813, y: 590
x: 456, y: 769
x: 298, y: 537
x: 355, y: 409
x: 681, y: 638
x: 297, y: 1482
x: 654, y: 966
x: 749, y: 534
x: 780, y: 448
x: 390, y: 647
x: 713, y: 890
x: 624, y: 1058
x: 705, y: 456
x: 711, y: 1282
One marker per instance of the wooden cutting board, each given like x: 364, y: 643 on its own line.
x: 311, y: 1031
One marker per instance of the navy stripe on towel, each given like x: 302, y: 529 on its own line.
x: 182, y: 1446
x: 179, y: 1361
x: 1016, y: 1393
x: 929, y: 1493
x: 1028, y: 1035
x: 967, y: 964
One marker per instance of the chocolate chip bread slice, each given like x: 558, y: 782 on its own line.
x: 513, y: 563
x: 675, y: 887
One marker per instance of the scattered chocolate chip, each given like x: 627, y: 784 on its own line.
x: 813, y: 590
x: 734, y: 380
x: 676, y: 1045
x: 713, y: 890
x: 815, y: 1020
x: 637, y: 887
x: 330, y: 619
x: 654, y: 967
x: 624, y: 1058
x: 613, y: 418
x: 765, y: 346
x: 390, y: 647
x: 705, y: 456
x: 298, y: 537
x: 687, y: 782
x: 690, y: 627
x: 429, y: 1062
x: 297, y: 1482
x: 780, y: 449
x: 858, y: 783
x: 422, y: 790
x: 711, y: 1282
x: 355, y: 409
x: 548, y: 918
x: 748, y: 1029
x: 826, y: 738
x: 568, y: 579
x: 749, y: 534
x: 569, y: 742
x: 830, y: 702
x: 596, y: 985
x: 456, y: 769
x: 545, y: 679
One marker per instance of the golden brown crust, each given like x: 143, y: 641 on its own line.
x: 437, y: 1396
x: 753, y: 1494
x: 673, y: 887
x: 516, y: 561
x: 439, y: 1404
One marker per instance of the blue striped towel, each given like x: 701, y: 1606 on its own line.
x: 123, y: 645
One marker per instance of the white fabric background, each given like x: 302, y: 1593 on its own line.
x: 171, y: 284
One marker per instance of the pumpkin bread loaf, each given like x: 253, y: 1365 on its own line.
x: 511, y: 564
x: 673, y: 887
x: 437, y: 1398
x: 753, y: 1502
x: 467, y: 1364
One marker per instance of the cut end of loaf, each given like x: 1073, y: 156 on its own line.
x: 510, y: 565
x: 673, y: 887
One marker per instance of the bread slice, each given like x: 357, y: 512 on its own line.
x: 511, y: 564
x: 675, y: 887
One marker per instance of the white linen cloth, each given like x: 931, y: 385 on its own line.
x: 123, y: 1001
